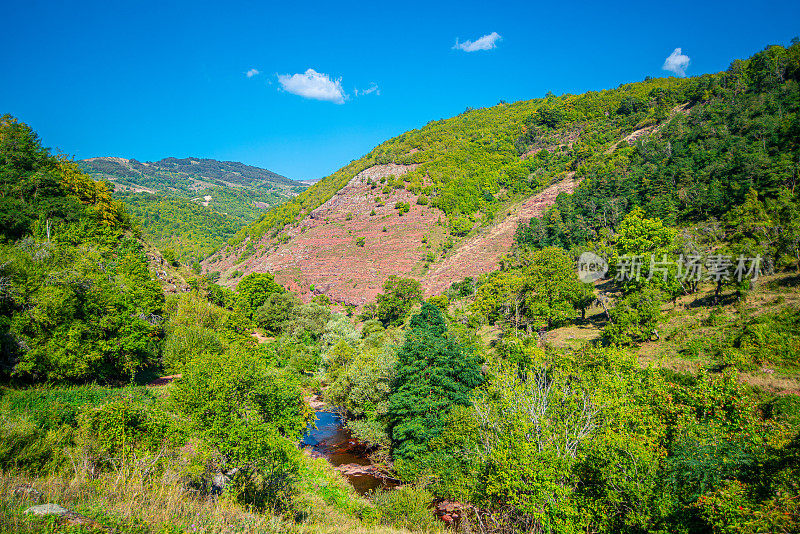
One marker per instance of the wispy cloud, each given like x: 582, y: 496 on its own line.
x: 487, y: 42
x: 677, y: 62
x: 373, y: 88
x: 314, y: 85
x: 252, y: 72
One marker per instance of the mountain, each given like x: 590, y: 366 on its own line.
x: 239, y: 190
x: 192, y: 206
x: 444, y: 202
x: 191, y: 173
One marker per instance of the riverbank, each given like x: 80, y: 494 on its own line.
x: 329, y: 439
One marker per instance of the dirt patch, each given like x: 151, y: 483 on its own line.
x: 482, y: 253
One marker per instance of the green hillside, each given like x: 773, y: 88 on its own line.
x: 190, y: 230
x: 191, y: 205
x: 469, y: 163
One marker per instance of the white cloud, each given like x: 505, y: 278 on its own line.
x: 252, y: 72
x: 314, y: 85
x: 373, y: 88
x: 677, y: 62
x: 487, y: 42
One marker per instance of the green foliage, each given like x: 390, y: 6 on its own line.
x: 277, y: 309
x: 194, y: 328
x: 460, y: 226
x: 635, y: 318
x: 739, y: 134
x: 543, y: 292
x: 40, y: 427
x: 77, y: 314
x: 397, y: 299
x: 407, y: 507
x: 41, y: 193
x: 770, y: 338
x: 402, y: 207
x: 433, y: 374
x: 253, y: 291
x: 120, y: 429
x: 252, y: 415
x: 191, y: 231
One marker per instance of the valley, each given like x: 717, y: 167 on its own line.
x: 575, y: 313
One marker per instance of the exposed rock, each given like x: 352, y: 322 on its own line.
x: 47, y: 509
x: 317, y: 404
x: 68, y: 517
x: 356, y: 470
x: 450, y: 512
x: 221, y: 480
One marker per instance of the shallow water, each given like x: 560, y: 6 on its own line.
x: 334, y: 442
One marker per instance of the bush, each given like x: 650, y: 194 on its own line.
x: 252, y: 415
x: 402, y: 207
x: 40, y: 427
x: 460, y: 226
x: 406, y: 507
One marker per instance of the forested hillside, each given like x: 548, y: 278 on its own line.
x: 188, y: 229
x: 78, y: 301
x: 469, y: 163
x: 204, y: 202
x: 740, y: 132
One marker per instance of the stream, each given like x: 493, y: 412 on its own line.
x: 330, y: 440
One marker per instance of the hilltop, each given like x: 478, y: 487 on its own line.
x: 192, y: 206
x: 183, y: 173
x: 443, y: 202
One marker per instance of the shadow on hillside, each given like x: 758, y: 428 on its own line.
x: 791, y: 280
x: 709, y: 300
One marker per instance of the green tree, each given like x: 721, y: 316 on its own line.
x: 635, y: 318
x: 433, y: 374
x: 399, y: 295
x: 552, y: 288
x: 276, y: 310
x: 253, y: 291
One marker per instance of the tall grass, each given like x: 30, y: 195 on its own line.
x: 325, y: 503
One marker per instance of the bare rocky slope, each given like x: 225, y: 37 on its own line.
x: 323, y: 254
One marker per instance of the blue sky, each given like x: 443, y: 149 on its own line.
x: 150, y: 80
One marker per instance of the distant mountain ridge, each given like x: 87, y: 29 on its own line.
x: 201, y: 172
x: 192, y: 205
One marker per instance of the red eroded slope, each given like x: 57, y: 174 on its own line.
x: 482, y: 253
x: 323, y: 250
